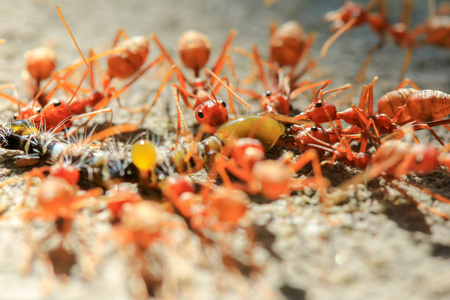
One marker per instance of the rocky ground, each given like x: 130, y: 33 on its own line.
x: 376, y: 245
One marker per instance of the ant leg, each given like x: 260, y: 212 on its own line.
x: 308, y: 44
x: 365, y: 66
x: 309, y: 65
x: 204, y: 128
x: 181, y: 78
x: 207, y: 71
x: 303, y: 88
x: 230, y: 96
x: 254, y: 73
x: 79, y: 51
x: 405, y: 82
x: 93, y: 114
x: 406, y: 62
x: 220, y: 59
x: 252, y: 77
x: 181, y: 123
x: 425, y: 126
x: 260, y: 67
x: 14, y: 99
x: 184, y: 94
x: 370, y: 95
x: 142, y: 72
x: 312, y: 156
x: 335, y: 36
x: 120, y: 34
x: 254, y: 95
x: 419, y: 204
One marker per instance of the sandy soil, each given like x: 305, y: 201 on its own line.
x: 382, y: 248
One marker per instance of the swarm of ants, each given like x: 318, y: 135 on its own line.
x: 77, y: 173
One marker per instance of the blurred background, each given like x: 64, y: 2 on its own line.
x: 363, y: 259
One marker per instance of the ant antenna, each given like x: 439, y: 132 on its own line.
x: 79, y: 51
x: 211, y: 89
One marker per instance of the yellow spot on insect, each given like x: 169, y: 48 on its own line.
x: 23, y: 127
x: 143, y: 155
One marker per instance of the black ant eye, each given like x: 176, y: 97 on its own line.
x: 56, y: 103
x: 200, y: 114
x: 268, y: 93
x: 38, y: 110
x: 15, y: 116
x: 319, y: 104
x: 223, y: 103
x: 314, y: 129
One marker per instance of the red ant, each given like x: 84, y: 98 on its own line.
x: 216, y: 209
x: 268, y: 177
x: 57, y: 115
x: 394, y: 159
x: 194, y: 49
x: 277, y: 98
x: 435, y: 29
x: 56, y: 198
x: 321, y: 111
x: 126, y: 59
x: 141, y: 225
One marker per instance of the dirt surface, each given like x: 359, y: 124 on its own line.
x: 377, y: 245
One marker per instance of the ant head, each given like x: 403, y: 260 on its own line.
x: 228, y: 206
x: 67, y: 172
x: 347, y: 12
x: 54, y: 116
x: 144, y: 219
x: 309, y: 135
x: 287, y: 44
x: 212, y: 112
x: 276, y: 102
x: 55, y: 195
x: 177, y: 185
x: 423, y: 159
x: 247, y: 151
x: 120, y: 195
x: 321, y: 111
x: 194, y: 49
x: 274, y: 178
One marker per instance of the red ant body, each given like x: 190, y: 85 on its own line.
x: 435, y: 29
x: 39, y: 65
x: 194, y: 49
x: 321, y: 111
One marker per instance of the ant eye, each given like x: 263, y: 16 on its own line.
x: 56, y: 103
x: 15, y: 116
x: 314, y: 128
x: 223, y: 103
x: 319, y: 104
x: 38, y: 110
x: 200, y: 114
x: 268, y: 93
